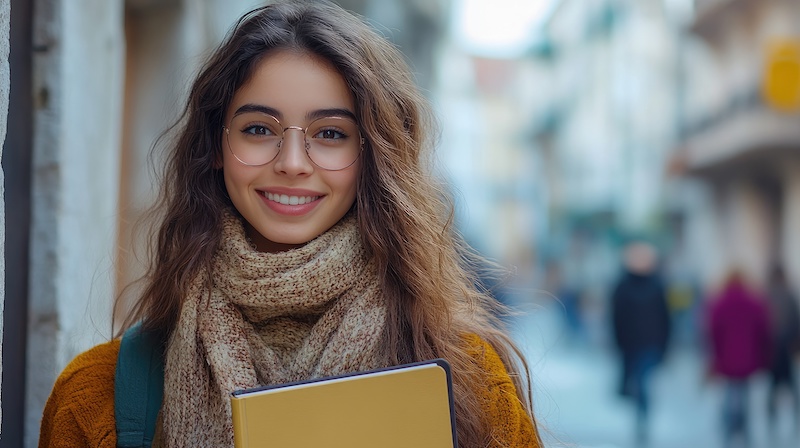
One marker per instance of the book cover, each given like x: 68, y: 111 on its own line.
x: 401, y: 406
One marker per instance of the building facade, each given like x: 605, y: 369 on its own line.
x: 674, y: 120
x: 605, y: 125
x: 741, y: 139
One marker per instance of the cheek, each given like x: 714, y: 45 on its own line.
x: 347, y: 183
x: 237, y: 177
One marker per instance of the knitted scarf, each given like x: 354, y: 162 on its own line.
x: 269, y: 318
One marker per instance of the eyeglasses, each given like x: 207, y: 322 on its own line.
x: 332, y: 143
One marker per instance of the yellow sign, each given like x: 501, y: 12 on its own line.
x: 781, y: 84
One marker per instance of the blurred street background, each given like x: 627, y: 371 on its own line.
x: 578, y: 405
x: 571, y: 132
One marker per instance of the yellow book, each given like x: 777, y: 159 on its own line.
x: 403, y: 406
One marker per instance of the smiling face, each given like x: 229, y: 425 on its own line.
x: 288, y: 201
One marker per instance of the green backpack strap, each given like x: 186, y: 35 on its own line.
x: 138, y: 387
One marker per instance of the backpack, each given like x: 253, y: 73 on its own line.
x: 138, y: 387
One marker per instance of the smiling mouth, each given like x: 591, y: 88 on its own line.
x: 289, y: 200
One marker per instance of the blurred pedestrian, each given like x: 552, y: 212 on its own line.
x: 569, y: 298
x: 785, y: 340
x: 740, y: 339
x: 641, y: 325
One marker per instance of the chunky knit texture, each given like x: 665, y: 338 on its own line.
x: 268, y: 318
x: 511, y: 425
x: 80, y: 411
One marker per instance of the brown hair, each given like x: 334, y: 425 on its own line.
x: 405, y: 217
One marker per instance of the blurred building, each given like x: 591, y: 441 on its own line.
x: 95, y: 84
x: 606, y: 121
x: 485, y: 96
x: 675, y: 120
x: 740, y: 136
x: 484, y: 104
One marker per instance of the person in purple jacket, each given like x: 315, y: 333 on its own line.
x: 740, y: 339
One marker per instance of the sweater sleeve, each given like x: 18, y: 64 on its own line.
x: 80, y: 410
x: 513, y: 426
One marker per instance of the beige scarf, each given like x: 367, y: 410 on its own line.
x: 269, y: 318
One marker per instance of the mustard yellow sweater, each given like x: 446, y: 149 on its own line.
x: 80, y: 410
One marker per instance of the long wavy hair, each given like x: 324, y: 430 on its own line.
x: 427, y: 274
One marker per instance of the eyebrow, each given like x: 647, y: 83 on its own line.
x: 310, y: 116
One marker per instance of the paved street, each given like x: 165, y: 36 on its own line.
x: 577, y: 404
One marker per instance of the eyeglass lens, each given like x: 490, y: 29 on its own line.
x: 332, y: 143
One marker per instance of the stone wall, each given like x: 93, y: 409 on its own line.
x: 77, y: 86
x: 5, y: 22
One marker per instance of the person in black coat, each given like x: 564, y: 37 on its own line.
x: 641, y: 327
x: 785, y: 317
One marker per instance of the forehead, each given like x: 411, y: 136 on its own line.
x: 294, y: 83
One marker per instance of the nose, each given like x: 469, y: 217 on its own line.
x: 293, y: 158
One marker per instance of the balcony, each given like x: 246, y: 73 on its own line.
x: 744, y: 134
x: 712, y: 15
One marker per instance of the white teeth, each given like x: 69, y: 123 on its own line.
x: 291, y: 200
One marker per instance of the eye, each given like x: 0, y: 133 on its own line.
x: 333, y: 130
x: 330, y: 134
x: 257, y: 129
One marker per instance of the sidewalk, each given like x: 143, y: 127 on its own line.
x: 577, y: 405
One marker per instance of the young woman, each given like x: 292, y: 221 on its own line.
x: 302, y: 236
